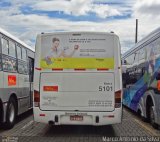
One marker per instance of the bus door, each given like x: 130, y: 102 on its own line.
x: 31, y: 72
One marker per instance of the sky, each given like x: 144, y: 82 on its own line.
x: 27, y: 18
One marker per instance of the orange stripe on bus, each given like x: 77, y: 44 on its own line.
x: 57, y: 69
x: 79, y: 69
x: 102, y: 69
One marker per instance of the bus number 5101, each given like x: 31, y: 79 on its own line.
x: 105, y: 88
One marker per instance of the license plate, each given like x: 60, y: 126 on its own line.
x: 76, y: 118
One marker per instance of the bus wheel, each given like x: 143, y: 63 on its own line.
x: 139, y: 113
x: 11, y: 114
x: 1, y: 112
x: 152, y: 117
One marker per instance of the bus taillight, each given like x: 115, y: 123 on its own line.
x: 118, y: 95
x: 36, y: 98
x: 158, y: 85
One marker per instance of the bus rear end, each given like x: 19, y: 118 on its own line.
x: 77, y: 79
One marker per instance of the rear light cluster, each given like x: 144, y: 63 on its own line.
x: 118, y: 96
x: 36, y: 98
x: 158, y: 85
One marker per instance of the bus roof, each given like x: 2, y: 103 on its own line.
x: 16, y: 39
x: 150, y: 36
x: 79, y: 32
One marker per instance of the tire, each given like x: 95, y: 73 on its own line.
x: 11, y: 114
x: 1, y: 113
x: 152, y: 117
x: 139, y: 113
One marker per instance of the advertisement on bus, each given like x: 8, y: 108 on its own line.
x: 68, y: 52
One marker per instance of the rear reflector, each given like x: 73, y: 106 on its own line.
x: 118, y: 95
x: 36, y: 98
x: 110, y: 116
x: 50, y: 88
x: 42, y: 115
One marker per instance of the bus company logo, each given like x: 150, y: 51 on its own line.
x: 11, y: 80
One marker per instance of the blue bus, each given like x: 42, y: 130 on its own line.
x: 141, y: 78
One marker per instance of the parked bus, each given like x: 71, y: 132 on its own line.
x: 77, y: 79
x: 141, y: 79
x: 16, y: 77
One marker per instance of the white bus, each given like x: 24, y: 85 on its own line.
x: 16, y: 77
x: 77, y: 79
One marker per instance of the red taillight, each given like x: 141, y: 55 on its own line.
x: 38, y: 69
x: 50, y: 88
x: 158, y: 85
x: 36, y: 98
x: 118, y: 96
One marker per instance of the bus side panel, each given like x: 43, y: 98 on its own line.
x: 118, y: 72
x: 1, y: 85
x: 141, y: 81
x: 37, y: 64
x: 2, y: 96
x: 23, y: 96
x: 157, y: 104
x: 10, y: 84
x: 117, y: 68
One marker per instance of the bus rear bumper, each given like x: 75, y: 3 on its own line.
x: 78, y: 118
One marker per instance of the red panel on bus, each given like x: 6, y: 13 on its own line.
x: 50, y: 88
x: 12, y: 80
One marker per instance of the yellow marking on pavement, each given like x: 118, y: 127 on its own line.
x: 149, y: 130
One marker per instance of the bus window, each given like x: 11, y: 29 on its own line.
x: 19, y: 52
x: 5, y: 46
x: 12, y: 49
x: 157, y: 46
x: 31, y: 69
x: 141, y: 54
x: 0, y: 62
x: 24, y: 54
x: 130, y: 60
x: 136, y: 56
x: 9, y: 64
x: 22, y: 67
